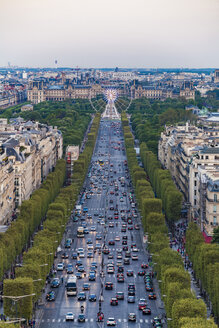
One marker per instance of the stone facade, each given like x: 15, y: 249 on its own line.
x: 191, y: 153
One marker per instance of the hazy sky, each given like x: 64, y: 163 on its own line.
x: 100, y: 33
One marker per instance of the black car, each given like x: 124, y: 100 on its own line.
x: 108, y: 285
x: 81, y: 296
x: 81, y: 317
x: 92, y: 298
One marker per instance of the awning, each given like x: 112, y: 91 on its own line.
x: 208, y: 239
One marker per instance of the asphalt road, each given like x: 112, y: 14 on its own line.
x: 100, y: 188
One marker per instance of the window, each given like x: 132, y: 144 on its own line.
x: 195, y: 202
x: 196, y: 173
x: 215, y: 197
x: 206, y: 157
x: 195, y: 183
x: 195, y: 192
x: 215, y: 208
x: 214, y: 220
x: 202, y: 157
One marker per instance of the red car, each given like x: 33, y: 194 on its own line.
x: 130, y: 228
x: 142, y: 305
x: 114, y: 301
x: 144, y: 266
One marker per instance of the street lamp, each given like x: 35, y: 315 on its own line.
x: 15, y: 299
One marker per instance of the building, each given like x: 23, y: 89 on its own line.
x: 29, y: 152
x: 191, y: 154
x: 216, y: 76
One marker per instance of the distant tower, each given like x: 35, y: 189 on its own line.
x: 56, y: 63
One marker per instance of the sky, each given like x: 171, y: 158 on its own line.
x: 115, y: 33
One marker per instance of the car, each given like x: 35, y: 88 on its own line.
x: 55, y: 283
x: 110, y: 269
x: 110, y: 256
x: 81, y: 255
x: 131, y: 299
x: 114, y: 301
x: 123, y: 230
x: 147, y: 310
x: 130, y: 273
x: 111, y: 322
x: 120, y: 277
x: 69, y: 269
x: 78, y: 275
x: 126, y: 261
x: 152, y: 296
x: 144, y: 266
x: 130, y: 228
x: 142, y: 304
x: 86, y: 286
x: 135, y: 249
x: 90, y: 255
x: 111, y: 208
x: 67, y: 244
x: 137, y: 227
x: 141, y: 273
x: 92, y: 228
x: 120, y: 269
x: 92, y: 298
x: 131, y: 286
x: 119, y: 256
x: 51, y: 296
x: 80, y: 268
x: 74, y: 256
x: 156, y: 322
x: 134, y: 257
x: 117, y: 238
x: 133, y: 245
x: 111, y: 242
x: 120, y: 296
x: 60, y: 266
x: 92, y: 276
x: 127, y: 254
x: 132, y: 317
x: 69, y: 316
x: 111, y: 225
x: 98, y: 237
x: 81, y: 317
x: 106, y: 250
x: 124, y: 242
x: 108, y: 285
x: 81, y: 296
x: 149, y: 288
x: 89, y: 241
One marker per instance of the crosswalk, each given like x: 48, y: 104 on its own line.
x: 92, y: 320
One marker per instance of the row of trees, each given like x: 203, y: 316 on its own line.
x: 163, y: 184
x: 181, y: 305
x: 15, y: 239
x: 37, y: 261
x: 205, y: 259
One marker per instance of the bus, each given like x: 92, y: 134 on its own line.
x: 80, y: 232
x: 71, y: 286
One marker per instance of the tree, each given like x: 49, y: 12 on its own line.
x: 198, y: 322
x: 188, y: 307
x: 22, y: 306
x: 215, y: 238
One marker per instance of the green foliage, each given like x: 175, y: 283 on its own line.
x: 198, y: 322
x: 18, y: 287
x: 190, y: 308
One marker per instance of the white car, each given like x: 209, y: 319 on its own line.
x: 69, y: 316
x: 134, y: 249
x: 60, y: 266
x: 117, y: 238
x: 90, y: 247
x: 111, y: 322
x: 81, y: 255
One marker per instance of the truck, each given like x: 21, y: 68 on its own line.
x: 71, y: 286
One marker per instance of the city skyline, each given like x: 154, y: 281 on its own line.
x: 143, y: 34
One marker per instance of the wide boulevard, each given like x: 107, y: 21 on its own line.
x: 111, y: 219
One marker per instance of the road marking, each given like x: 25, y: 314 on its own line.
x: 59, y: 320
x: 141, y: 320
x: 119, y: 320
x: 86, y: 320
x: 91, y: 320
x: 53, y: 320
x: 125, y: 320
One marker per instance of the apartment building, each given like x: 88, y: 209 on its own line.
x: 29, y: 153
x: 192, y: 156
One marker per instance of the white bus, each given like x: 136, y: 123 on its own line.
x: 80, y: 232
x: 71, y: 286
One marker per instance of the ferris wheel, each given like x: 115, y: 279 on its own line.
x: 121, y: 100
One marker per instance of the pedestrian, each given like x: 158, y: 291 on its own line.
x: 62, y: 279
